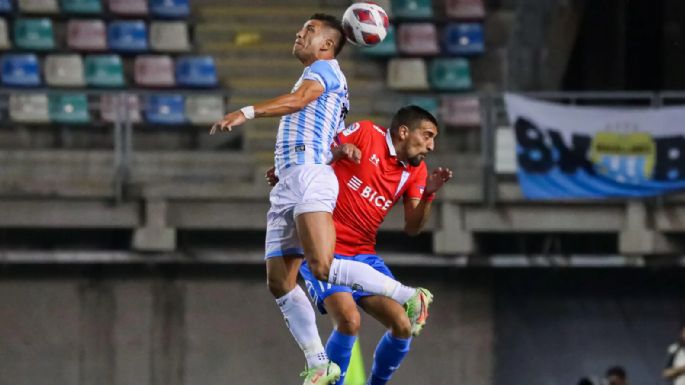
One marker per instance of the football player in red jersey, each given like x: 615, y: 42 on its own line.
x: 392, y: 167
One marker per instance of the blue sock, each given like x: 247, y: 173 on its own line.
x: 339, y: 350
x: 389, y: 354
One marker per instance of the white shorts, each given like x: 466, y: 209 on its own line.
x: 300, y: 189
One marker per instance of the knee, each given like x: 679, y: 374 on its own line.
x: 279, y: 286
x: 349, y: 323
x: 319, y: 268
x: 401, y: 327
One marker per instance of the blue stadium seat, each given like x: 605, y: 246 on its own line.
x: 5, y: 6
x: 196, y: 71
x: 172, y: 9
x: 464, y: 39
x: 20, y: 70
x: 165, y: 109
x: 127, y: 36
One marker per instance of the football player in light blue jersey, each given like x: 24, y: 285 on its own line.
x: 300, y: 222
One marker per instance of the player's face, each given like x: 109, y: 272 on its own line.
x: 309, y: 40
x: 420, y: 142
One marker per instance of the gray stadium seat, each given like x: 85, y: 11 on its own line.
x: 169, y: 36
x: 64, y: 71
x: 38, y: 6
x: 29, y: 108
x: 204, y: 109
x: 407, y: 74
x: 4, y: 35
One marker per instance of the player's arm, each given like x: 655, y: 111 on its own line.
x: 285, y: 104
x: 673, y: 372
x: 417, y: 210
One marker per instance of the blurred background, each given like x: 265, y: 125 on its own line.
x: 131, y: 242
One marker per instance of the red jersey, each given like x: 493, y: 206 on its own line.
x: 370, y: 189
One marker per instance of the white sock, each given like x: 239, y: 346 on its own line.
x: 301, y: 320
x: 362, y: 277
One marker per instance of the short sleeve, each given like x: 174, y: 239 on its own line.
x: 322, y: 72
x: 417, y: 183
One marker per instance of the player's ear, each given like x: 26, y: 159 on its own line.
x: 328, y: 45
x: 403, y: 131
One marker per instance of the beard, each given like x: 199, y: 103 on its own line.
x: 415, y: 161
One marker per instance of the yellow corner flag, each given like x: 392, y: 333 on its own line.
x: 356, y: 375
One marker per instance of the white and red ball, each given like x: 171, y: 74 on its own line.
x: 365, y: 24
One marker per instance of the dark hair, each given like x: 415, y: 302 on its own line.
x: 411, y: 116
x: 333, y: 23
x: 617, y: 371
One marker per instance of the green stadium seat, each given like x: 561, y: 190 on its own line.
x: 104, y: 71
x: 388, y: 47
x: 428, y: 103
x: 81, y: 6
x: 34, y: 34
x: 412, y: 9
x: 69, y: 108
x: 450, y: 74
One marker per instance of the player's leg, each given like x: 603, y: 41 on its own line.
x: 317, y: 236
x: 394, y: 345
x: 346, y: 319
x: 283, y: 260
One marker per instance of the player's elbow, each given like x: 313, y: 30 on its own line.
x: 412, y: 231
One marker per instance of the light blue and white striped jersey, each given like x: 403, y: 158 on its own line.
x: 305, y: 137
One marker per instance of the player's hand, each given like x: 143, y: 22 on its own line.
x: 270, y: 176
x: 347, y: 151
x: 234, y: 118
x: 437, y: 179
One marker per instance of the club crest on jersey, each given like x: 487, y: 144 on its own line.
x: 352, y: 128
x: 374, y: 159
x: 421, y: 189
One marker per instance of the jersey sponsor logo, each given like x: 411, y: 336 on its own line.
x: 349, y: 130
x: 374, y: 159
x: 299, y: 148
x: 354, y: 183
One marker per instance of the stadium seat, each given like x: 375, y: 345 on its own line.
x: 128, y: 7
x: 4, y: 35
x: 505, y: 151
x: 464, y: 39
x: 64, y: 71
x: 465, y: 9
x: 450, y: 74
x: 171, y: 9
x: 461, y: 111
x: 196, y: 71
x: 154, y: 71
x: 127, y: 36
x: 412, y: 9
x: 29, y: 108
x: 407, y: 74
x: 81, y: 6
x: 69, y: 108
x: 34, y: 34
x: 20, y: 70
x: 428, y: 103
x: 109, y: 105
x: 417, y: 39
x: 6, y: 6
x: 104, y: 71
x: 388, y: 47
x: 86, y: 35
x: 38, y: 6
x: 170, y: 36
x: 165, y: 109
x: 201, y: 109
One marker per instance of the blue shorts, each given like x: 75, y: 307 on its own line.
x: 320, y: 290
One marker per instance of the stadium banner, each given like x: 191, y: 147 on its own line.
x: 571, y: 152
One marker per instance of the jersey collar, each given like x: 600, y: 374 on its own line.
x: 391, y: 148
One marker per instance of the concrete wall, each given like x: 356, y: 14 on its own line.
x: 106, y: 326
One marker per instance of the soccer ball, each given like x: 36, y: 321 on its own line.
x: 365, y: 24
